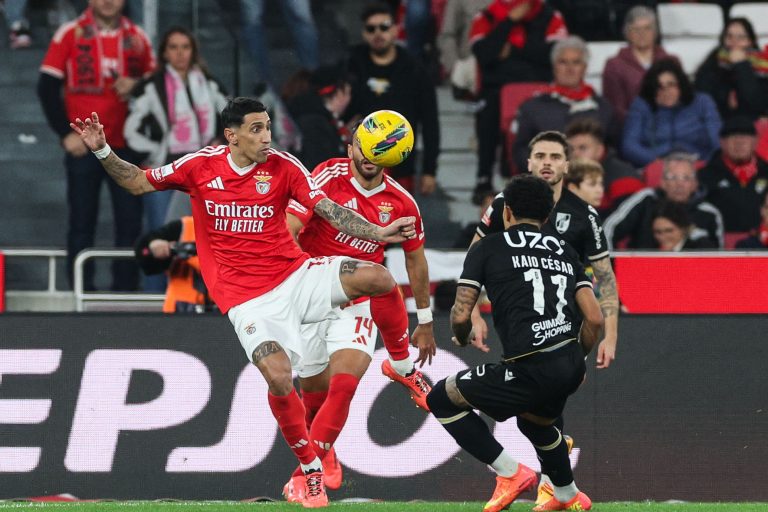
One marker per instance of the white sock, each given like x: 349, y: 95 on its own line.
x: 402, y: 367
x: 566, y: 493
x: 505, y: 464
x: 315, y: 465
x: 544, y: 480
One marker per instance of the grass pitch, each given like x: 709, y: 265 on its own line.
x: 232, y: 506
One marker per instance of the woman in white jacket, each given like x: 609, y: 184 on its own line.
x: 173, y: 112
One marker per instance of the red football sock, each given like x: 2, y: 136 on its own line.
x: 333, y: 414
x: 289, y: 413
x: 389, y: 315
x: 312, y: 400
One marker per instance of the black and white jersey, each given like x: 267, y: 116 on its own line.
x: 531, y: 279
x: 572, y: 219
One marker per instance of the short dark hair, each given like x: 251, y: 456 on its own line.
x: 237, y: 108
x: 550, y: 136
x: 375, y: 8
x: 585, y: 126
x: 650, y: 84
x: 581, y: 169
x: 529, y: 197
x: 676, y: 213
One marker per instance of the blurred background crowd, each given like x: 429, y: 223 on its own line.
x: 665, y: 106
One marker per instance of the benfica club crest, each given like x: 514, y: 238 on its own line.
x: 262, y: 183
x: 385, y: 213
x: 562, y: 222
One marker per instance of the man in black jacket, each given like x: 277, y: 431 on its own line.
x: 735, y: 178
x: 386, y: 77
x: 511, y: 41
x: 634, y: 218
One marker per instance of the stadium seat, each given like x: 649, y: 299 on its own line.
x: 512, y: 96
x: 599, y: 53
x: 690, y: 51
x: 689, y: 20
x: 731, y: 237
x: 757, y: 14
x: 652, y: 173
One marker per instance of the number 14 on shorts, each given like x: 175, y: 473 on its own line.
x: 363, y: 326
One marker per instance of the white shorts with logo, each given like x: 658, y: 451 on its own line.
x: 310, y: 295
x: 352, y: 328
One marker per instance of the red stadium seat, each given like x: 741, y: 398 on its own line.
x: 652, y: 173
x: 512, y: 96
x: 731, y: 237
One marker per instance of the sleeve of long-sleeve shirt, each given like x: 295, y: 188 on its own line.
x: 488, y: 42
x: 430, y: 126
x: 49, y: 90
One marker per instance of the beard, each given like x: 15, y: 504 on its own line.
x: 381, y: 51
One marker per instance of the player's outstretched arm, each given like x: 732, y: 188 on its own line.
x: 352, y: 223
x: 125, y: 174
x: 609, y: 303
x: 423, y: 336
x: 461, y: 315
x: 592, y: 326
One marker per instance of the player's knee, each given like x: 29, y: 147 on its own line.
x: 279, y: 382
x: 440, y: 403
x: 539, y: 435
x: 381, y: 281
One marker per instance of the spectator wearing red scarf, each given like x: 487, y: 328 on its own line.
x: 91, y: 65
x: 511, y: 40
x: 735, y: 178
x: 568, y: 98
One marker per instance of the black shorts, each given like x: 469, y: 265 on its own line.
x: 538, y: 384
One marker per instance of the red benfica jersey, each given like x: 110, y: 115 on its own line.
x: 381, y: 206
x: 243, y: 242
x: 89, y: 61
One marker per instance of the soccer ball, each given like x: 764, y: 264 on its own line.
x: 385, y: 138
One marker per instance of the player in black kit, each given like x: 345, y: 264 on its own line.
x: 574, y: 221
x: 540, y: 293
x: 577, y: 223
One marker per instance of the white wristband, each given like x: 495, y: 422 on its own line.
x: 102, y: 153
x: 424, y: 315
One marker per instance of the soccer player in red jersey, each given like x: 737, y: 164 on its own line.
x: 253, y: 268
x: 343, y: 347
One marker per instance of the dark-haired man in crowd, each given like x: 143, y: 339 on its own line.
x: 253, y: 268
x: 386, y: 77
x: 586, y: 139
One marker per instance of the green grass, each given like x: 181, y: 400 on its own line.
x: 230, y: 506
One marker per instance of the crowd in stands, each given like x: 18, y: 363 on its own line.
x: 643, y: 133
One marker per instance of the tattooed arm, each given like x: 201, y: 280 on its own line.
x: 352, y: 223
x: 461, y: 315
x: 609, y: 303
x: 125, y: 174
